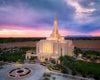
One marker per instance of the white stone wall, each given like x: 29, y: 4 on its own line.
x: 54, y: 48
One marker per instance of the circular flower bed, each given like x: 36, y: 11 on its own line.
x: 19, y: 72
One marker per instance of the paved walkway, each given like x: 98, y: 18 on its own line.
x: 37, y: 73
x: 69, y: 76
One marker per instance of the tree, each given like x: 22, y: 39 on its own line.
x: 77, y: 51
x: 61, y: 59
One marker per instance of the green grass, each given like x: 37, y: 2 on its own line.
x: 86, y: 67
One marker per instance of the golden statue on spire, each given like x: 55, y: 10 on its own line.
x: 55, y: 16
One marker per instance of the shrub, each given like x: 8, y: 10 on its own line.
x: 89, y: 73
x: 46, y: 59
x: 54, y: 78
x: 97, y: 77
x: 20, y: 61
x: 73, y: 72
x: 46, y: 75
x: 33, y: 58
x: 1, y: 67
x: 53, y: 61
x: 83, y: 75
x: 64, y: 71
x: 46, y: 79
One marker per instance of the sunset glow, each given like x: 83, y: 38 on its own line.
x: 20, y: 31
x: 22, y: 18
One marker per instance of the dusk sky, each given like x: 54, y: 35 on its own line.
x: 35, y: 18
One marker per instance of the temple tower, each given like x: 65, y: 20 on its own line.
x: 55, y: 33
x: 54, y: 46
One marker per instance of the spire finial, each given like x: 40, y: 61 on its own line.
x: 55, y: 32
x: 55, y: 14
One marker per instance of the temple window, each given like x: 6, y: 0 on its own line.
x: 47, y: 49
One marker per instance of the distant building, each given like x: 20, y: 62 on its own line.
x: 54, y: 46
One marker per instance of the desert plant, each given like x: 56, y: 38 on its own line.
x: 46, y: 78
x: 54, y: 78
x: 46, y: 75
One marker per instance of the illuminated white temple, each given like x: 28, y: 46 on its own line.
x: 54, y: 46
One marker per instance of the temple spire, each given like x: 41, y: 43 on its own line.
x: 55, y: 30
x: 55, y: 34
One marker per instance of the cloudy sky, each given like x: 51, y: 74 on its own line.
x: 35, y: 18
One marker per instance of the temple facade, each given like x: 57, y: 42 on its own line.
x: 54, y: 46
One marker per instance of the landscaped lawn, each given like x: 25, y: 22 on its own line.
x: 93, y: 67
x: 87, y: 68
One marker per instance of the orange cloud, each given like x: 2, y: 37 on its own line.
x: 20, y: 31
x: 24, y: 33
x: 95, y: 33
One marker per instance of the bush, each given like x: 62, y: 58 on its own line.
x: 89, y: 73
x: 46, y: 75
x: 73, y: 72
x: 53, y: 61
x: 83, y: 75
x: 20, y: 61
x: 97, y: 77
x: 64, y: 71
x: 33, y: 58
x: 46, y: 79
x: 54, y: 78
x: 46, y: 59
x: 1, y: 63
x: 1, y: 67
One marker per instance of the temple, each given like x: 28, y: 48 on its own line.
x: 54, y: 46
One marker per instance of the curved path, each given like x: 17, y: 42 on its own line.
x: 37, y: 73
